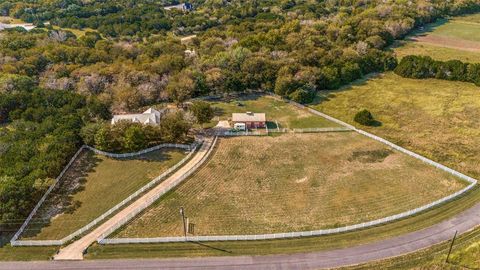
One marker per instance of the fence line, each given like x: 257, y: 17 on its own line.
x: 157, y: 196
x: 319, y: 130
x: 272, y: 236
x: 472, y: 181
x: 151, y: 149
x: 44, y: 197
x: 15, y: 242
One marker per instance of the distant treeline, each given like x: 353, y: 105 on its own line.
x: 423, y: 67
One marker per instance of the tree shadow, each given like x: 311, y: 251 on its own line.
x: 62, y: 198
x: 327, y: 95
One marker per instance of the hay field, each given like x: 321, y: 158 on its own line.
x: 436, y: 118
x: 294, y: 182
x: 93, y: 185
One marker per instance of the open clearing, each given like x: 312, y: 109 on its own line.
x: 93, y: 185
x: 405, y: 48
x: 294, y: 183
x: 287, y: 115
x: 438, y: 119
x: 457, y: 38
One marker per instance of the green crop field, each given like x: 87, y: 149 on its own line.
x: 277, y: 111
x: 294, y: 183
x: 93, y: 185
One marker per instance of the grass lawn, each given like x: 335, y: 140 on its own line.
x: 294, y: 183
x: 93, y: 185
x: 287, y: 115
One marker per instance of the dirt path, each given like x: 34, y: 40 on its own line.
x: 74, y: 251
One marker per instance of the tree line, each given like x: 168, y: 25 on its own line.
x: 423, y: 67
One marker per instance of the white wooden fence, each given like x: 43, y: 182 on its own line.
x: 287, y: 234
x: 472, y: 183
x: 157, y: 196
x: 15, y: 242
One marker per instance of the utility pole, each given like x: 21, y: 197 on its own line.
x: 451, y: 246
x: 182, y: 212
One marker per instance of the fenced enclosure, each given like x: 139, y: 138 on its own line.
x: 345, y: 127
x: 15, y: 242
x: 158, y: 195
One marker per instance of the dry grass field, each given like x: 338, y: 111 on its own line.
x: 293, y: 183
x: 277, y: 111
x: 93, y: 185
x: 436, y: 118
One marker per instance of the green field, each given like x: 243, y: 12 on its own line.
x: 277, y: 111
x: 295, y: 183
x: 459, y: 29
x: 93, y: 185
x: 404, y: 48
x: 457, y: 38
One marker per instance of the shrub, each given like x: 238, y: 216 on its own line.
x: 364, y: 117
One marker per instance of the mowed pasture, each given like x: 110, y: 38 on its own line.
x: 91, y: 186
x: 294, y: 182
x: 436, y: 118
x: 277, y: 111
x: 457, y: 38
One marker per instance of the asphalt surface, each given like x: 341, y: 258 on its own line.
x: 378, y: 250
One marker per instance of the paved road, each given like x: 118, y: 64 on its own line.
x: 396, y: 246
x: 75, y: 250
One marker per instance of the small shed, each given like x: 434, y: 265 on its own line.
x: 250, y: 119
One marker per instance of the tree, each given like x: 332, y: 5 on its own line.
x: 134, y: 138
x: 174, y: 128
x: 202, y: 111
x: 364, y: 117
x: 103, y: 138
x: 180, y: 87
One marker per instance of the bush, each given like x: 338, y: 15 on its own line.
x: 364, y: 117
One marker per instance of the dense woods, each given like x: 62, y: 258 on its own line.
x: 56, y: 85
x: 423, y: 67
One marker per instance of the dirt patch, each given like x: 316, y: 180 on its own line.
x: 448, y: 42
x: 373, y: 156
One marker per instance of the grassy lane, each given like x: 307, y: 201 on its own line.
x: 93, y: 185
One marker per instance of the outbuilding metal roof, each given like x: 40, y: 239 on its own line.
x: 248, y: 117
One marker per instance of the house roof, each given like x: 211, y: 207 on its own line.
x: 248, y: 117
x: 150, y: 116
